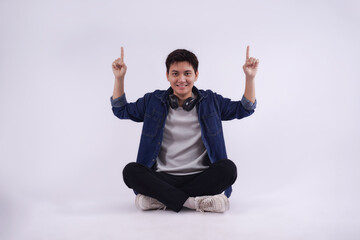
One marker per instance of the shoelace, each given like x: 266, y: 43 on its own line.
x: 207, y: 203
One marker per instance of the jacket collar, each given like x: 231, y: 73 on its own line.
x: 163, y: 95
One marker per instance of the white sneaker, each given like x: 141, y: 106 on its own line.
x: 216, y: 203
x: 143, y: 202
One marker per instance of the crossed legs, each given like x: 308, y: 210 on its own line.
x: 173, y: 190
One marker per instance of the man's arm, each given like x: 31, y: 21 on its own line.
x: 250, y: 68
x: 119, y: 70
x: 121, y: 108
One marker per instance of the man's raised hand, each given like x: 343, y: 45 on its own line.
x: 251, y: 65
x: 119, y: 67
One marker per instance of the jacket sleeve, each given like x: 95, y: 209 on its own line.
x: 234, y: 109
x: 134, y: 111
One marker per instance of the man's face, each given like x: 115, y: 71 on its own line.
x: 182, y: 77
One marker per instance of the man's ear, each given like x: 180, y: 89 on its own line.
x: 167, y: 76
x: 196, y: 75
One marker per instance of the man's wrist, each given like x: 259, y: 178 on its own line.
x: 119, y: 79
x: 249, y: 79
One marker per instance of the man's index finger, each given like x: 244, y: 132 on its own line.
x: 247, y: 52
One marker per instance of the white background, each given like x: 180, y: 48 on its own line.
x: 62, y: 150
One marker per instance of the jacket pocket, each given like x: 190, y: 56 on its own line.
x: 152, y: 122
x: 212, y: 124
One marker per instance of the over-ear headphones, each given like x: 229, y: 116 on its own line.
x: 188, y: 104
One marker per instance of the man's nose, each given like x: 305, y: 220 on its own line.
x: 182, y: 78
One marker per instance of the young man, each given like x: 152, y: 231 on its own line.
x: 182, y: 159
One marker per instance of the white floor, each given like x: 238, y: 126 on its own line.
x: 282, y: 215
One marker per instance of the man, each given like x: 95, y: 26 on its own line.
x: 182, y: 159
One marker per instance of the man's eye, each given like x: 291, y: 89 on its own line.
x: 187, y: 74
x: 174, y: 74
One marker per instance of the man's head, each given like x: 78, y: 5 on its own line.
x: 182, y: 72
x: 182, y: 55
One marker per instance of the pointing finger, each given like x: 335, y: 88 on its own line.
x: 122, y: 53
x: 247, y: 52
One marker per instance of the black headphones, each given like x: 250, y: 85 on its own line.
x: 188, y: 104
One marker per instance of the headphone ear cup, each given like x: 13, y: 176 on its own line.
x: 189, y: 104
x: 173, y: 101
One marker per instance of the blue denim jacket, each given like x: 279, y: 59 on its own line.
x: 152, y: 110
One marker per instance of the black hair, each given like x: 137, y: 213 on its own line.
x: 182, y: 55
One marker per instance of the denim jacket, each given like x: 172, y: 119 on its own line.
x: 152, y: 110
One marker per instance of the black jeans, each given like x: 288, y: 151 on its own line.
x: 173, y: 190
